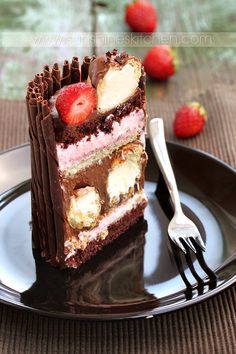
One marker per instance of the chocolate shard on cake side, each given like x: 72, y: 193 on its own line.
x: 87, y: 155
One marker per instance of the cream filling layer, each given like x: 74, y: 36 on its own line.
x: 85, y: 207
x: 101, y: 230
x: 118, y: 85
x: 125, y: 172
x: 73, y: 158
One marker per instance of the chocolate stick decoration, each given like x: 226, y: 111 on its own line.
x: 38, y: 149
x: 35, y: 168
x: 75, y: 71
x: 57, y: 208
x: 48, y: 79
x: 85, y: 66
x: 66, y: 75
x: 48, y: 214
x: 56, y: 76
x: 35, y: 225
x: 39, y: 82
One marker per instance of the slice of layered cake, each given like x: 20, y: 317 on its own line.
x: 87, y: 133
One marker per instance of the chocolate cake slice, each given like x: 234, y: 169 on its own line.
x: 87, y: 135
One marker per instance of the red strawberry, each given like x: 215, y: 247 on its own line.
x: 76, y: 102
x: 141, y: 16
x: 160, y: 62
x: 189, y: 120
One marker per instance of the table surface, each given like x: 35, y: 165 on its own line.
x: 205, y: 74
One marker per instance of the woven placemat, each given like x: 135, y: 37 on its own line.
x: 208, y: 327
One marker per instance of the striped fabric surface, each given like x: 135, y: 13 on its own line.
x: 209, y: 327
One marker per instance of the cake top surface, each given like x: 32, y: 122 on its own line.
x: 82, y: 97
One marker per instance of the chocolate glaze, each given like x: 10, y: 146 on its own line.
x: 45, y: 130
x: 99, y: 66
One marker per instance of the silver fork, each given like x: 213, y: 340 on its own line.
x: 180, y: 227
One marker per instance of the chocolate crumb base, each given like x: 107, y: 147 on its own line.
x: 115, y: 230
x: 68, y: 134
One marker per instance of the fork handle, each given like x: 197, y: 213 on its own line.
x: 157, y: 138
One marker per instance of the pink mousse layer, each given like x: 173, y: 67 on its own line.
x: 75, y: 153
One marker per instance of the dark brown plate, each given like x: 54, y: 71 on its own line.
x: 136, y: 276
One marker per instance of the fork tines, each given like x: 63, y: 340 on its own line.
x: 181, y: 259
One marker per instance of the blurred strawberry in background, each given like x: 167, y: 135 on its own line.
x: 160, y: 62
x: 189, y: 120
x: 141, y: 16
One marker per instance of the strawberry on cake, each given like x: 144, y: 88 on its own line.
x: 87, y: 134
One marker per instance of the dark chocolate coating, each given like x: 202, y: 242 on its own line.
x: 99, y: 66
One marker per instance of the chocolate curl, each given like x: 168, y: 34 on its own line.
x: 32, y: 88
x: 39, y: 104
x: 41, y: 206
x: 36, y: 220
x: 29, y: 91
x: 56, y: 76
x: 31, y: 84
x: 35, y: 224
x: 34, y: 102
x: 45, y: 96
x: 49, y: 80
x: 55, y: 188
x: 45, y: 109
x: 39, y: 83
x: 85, y: 67
x: 49, y: 250
x: 66, y: 76
x: 33, y: 110
x: 75, y: 72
